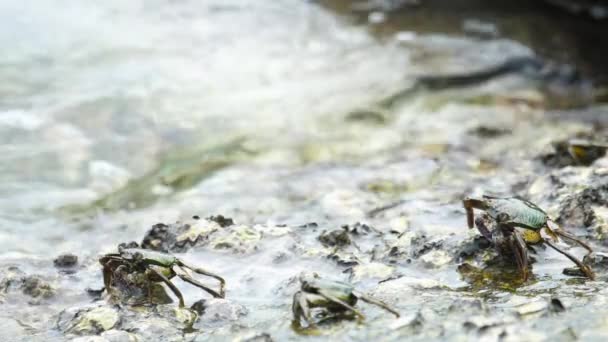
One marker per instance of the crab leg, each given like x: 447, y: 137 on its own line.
x: 483, y: 229
x: 207, y: 273
x: 470, y: 204
x: 300, y: 308
x: 340, y: 302
x: 107, y: 269
x: 570, y: 237
x: 584, y: 268
x: 196, y: 283
x: 520, y: 250
x: 373, y: 301
x: 170, y: 284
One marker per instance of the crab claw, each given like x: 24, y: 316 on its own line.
x: 470, y: 204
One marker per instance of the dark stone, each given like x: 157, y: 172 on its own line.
x: 221, y: 220
x: 159, y: 238
x: 489, y: 132
x: 66, y: 261
x: 557, y: 305
x: 576, y: 210
x: 596, y: 259
x: 199, y: 307
x: 334, y: 238
x: 35, y: 287
x: 310, y: 225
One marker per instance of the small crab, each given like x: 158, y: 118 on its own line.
x: 515, y: 212
x: 333, y: 296
x: 154, y: 267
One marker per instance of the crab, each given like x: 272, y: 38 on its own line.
x: 144, y: 267
x: 510, y: 213
x: 335, y: 297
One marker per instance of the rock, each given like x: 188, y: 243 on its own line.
x: 489, y: 132
x: 334, y: 238
x: 127, y: 323
x: 436, y: 259
x: 88, y: 320
x: 114, y: 335
x: 256, y: 337
x: 199, y: 306
x: 371, y: 270
x: 65, y: 261
x: 221, y: 311
x: 403, y: 288
x: 239, y: 239
x: 596, y: 259
x: 35, y: 287
x: 159, y: 238
x: 410, y: 324
x: 480, y: 29
x: 89, y: 339
x: 532, y: 308
x: 221, y: 220
x: 225, y: 235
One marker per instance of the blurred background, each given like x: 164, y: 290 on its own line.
x: 116, y: 115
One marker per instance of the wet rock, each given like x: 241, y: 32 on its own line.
x: 13, y: 280
x: 240, y: 239
x: 573, y: 152
x: 409, y: 324
x: 483, y: 324
x: 115, y: 323
x: 473, y: 247
x: 180, y: 237
x: 10, y: 278
x: 258, y: 337
x: 596, y: 260
x: 436, y: 259
x: 578, y: 209
x: 532, y: 308
x: 403, y: 288
x: 221, y: 311
x: 488, y: 132
x: 556, y: 305
x: 495, y: 275
x: 87, y: 321
x: 334, y: 238
x: 11, y: 327
x: 343, y: 258
x: 382, y: 5
x: 199, y: 306
x: 422, y: 245
x: 159, y: 238
x: 36, y: 287
x: 66, y: 261
x: 221, y: 220
x: 370, y: 271
x: 462, y: 305
x: 480, y: 29
x: 89, y: 339
x: 119, y: 336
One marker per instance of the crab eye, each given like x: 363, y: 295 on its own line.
x: 502, y: 217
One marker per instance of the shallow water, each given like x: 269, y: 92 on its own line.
x: 95, y: 95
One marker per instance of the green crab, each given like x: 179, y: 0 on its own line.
x: 510, y: 213
x: 152, y: 267
x: 334, y: 297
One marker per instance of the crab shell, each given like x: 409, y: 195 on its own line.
x: 519, y: 212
